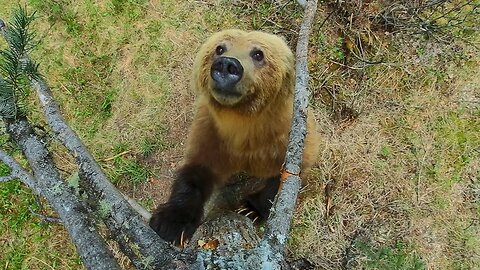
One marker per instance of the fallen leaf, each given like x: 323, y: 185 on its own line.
x: 209, y: 244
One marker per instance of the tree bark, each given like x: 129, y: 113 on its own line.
x: 49, y: 184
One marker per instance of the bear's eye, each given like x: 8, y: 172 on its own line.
x: 220, y: 50
x: 257, y: 55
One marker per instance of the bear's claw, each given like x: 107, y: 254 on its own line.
x: 174, y: 224
x: 248, y: 211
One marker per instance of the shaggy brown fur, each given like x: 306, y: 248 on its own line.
x: 243, y: 129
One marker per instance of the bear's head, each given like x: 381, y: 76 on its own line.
x: 244, y: 71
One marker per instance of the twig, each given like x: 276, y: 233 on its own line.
x: 38, y: 260
x: 7, y: 178
x: 326, y: 19
x: 117, y: 155
x: 346, y: 66
x: 45, y: 218
x: 41, y: 209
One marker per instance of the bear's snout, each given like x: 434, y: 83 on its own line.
x: 226, y: 72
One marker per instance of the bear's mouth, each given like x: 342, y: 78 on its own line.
x: 226, y: 98
x: 229, y: 94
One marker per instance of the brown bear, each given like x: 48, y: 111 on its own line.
x: 244, y: 82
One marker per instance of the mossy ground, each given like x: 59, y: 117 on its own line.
x: 397, y: 185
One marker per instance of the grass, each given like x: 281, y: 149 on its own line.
x: 400, y: 164
x: 26, y: 241
x: 391, y: 258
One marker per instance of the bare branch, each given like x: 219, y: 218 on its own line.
x: 293, y: 159
x: 146, y: 215
x: 17, y: 171
x: 278, y: 224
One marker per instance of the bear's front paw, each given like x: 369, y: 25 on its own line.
x: 175, y: 224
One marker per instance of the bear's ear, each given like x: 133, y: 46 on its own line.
x: 283, y: 38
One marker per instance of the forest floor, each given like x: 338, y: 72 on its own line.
x: 398, y: 181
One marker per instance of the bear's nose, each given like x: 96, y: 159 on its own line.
x: 226, y: 72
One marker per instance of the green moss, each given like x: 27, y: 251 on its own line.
x: 105, y: 208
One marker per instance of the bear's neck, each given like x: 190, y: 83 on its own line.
x: 252, y: 132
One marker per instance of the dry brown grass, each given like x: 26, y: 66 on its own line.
x: 386, y: 190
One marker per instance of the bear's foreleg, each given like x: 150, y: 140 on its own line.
x: 261, y: 201
x: 178, y: 219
